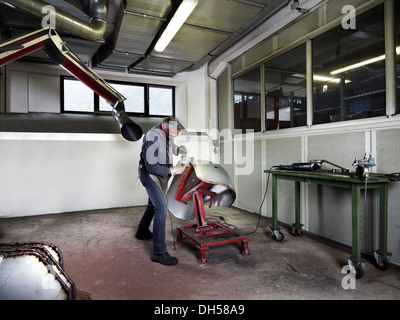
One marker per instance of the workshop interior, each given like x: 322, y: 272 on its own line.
x: 291, y: 116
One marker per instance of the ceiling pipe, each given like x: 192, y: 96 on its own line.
x: 65, y: 22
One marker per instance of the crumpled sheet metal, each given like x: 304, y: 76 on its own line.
x: 33, y: 271
x: 214, y: 174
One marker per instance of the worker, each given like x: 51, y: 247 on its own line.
x: 155, y: 168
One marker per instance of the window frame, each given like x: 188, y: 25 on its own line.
x: 308, y: 40
x: 96, y: 99
x: 349, y: 96
x: 302, y: 49
x: 243, y: 104
x: 147, y: 100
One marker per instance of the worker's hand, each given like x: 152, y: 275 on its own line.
x: 179, y: 168
x: 182, y: 149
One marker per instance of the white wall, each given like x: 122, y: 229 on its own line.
x: 53, y: 173
x: 198, y: 100
x: 46, y: 172
x: 325, y: 211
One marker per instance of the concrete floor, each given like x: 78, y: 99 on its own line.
x: 104, y: 259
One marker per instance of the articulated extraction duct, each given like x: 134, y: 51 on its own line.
x: 93, y: 30
x: 57, y: 50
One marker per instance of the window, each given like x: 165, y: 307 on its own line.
x: 247, y: 101
x: 82, y: 99
x: 285, y: 90
x: 160, y: 101
x: 348, y: 79
x: 349, y: 71
x: 134, y: 98
x: 141, y: 99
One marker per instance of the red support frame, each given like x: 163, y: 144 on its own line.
x: 205, y: 234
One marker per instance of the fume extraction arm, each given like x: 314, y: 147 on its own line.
x: 48, y: 40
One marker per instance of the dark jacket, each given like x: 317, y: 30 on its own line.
x: 155, y: 157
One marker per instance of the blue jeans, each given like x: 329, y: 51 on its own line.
x: 157, y: 211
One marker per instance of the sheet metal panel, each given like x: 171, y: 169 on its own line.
x: 191, y: 44
x: 162, y: 65
x: 225, y: 15
x: 212, y: 173
x: 136, y: 33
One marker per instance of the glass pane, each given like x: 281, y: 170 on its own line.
x: 349, y: 71
x: 285, y: 90
x: 247, y: 101
x: 161, y: 102
x: 77, y: 96
x: 134, y: 98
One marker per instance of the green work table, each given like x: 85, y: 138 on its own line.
x: 355, y: 185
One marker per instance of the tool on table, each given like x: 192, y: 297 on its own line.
x: 363, y: 166
x: 313, y: 165
x: 302, y: 166
x: 339, y: 169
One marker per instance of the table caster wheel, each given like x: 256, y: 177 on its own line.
x: 383, y: 265
x: 277, y: 235
x: 296, y: 230
x: 358, y: 266
x: 359, y: 272
x: 382, y: 259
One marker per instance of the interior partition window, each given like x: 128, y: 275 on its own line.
x: 285, y: 90
x: 349, y: 70
x: 247, y: 101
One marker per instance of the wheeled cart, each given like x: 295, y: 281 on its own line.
x: 198, y: 184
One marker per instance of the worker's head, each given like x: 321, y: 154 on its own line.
x: 171, y: 126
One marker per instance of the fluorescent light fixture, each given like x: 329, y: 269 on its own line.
x: 320, y: 78
x: 182, y: 13
x: 328, y: 79
x: 362, y: 63
x: 9, y: 5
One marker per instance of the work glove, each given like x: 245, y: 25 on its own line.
x: 179, y: 168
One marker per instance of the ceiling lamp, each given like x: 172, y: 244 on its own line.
x: 326, y: 79
x: 182, y: 13
x: 362, y: 63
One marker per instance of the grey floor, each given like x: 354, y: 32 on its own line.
x: 103, y: 258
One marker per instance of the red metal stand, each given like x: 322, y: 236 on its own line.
x: 204, y: 234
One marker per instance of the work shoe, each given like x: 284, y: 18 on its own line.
x: 144, y: 234
x: 165, y: 259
